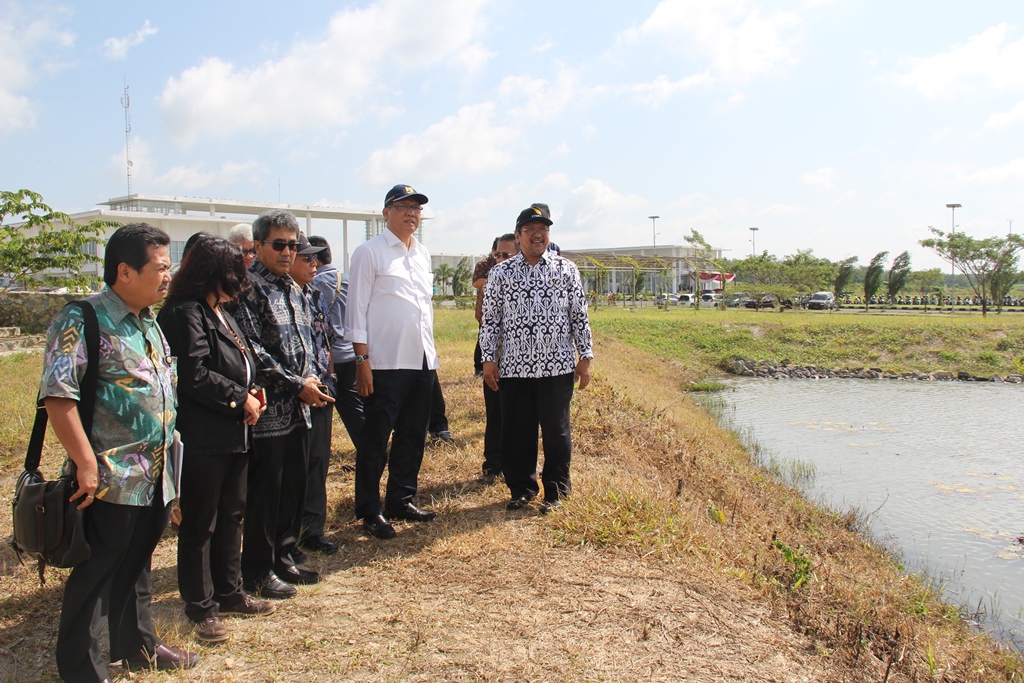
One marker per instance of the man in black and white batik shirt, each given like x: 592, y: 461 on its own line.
x: 534, y: 325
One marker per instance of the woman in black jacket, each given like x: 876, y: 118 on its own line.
x: 217, y: 404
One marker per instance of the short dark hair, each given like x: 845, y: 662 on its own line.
x: 130, y: 245
x: 507, y: 237
x: 191, y: 241
x: 324, y: 257
x: 276, y: 218
x: 211, y: 261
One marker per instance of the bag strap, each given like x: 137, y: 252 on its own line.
x: 87, y: 389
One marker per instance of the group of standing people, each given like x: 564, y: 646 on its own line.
x: 259, y: 341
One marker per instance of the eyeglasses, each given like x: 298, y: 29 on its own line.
x: 406, y: 208
x: 281, y: 245
x: 503, y: 254
x: 249, y: 252
x: 539, y: 230
x: 308, y: 258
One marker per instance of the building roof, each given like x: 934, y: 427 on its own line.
x: 152, y: 203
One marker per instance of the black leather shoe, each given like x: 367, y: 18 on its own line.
x: 270, y: 586
x: 378, y: 527
x: 298, y: 557
x: 319, y: 544
x: 518, y: 503
x: 294, y: 575
x: 411, y: 513
x: 164, y: 658
x: 550, y: 505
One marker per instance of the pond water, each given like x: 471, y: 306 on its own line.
x: 938, y: 465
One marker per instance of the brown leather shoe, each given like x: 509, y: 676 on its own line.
x: 164, y: 658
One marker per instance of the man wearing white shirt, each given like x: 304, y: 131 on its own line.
x: 390, y: 322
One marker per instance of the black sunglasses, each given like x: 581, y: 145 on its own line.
x: 503, y: 254
x: 280, y: 245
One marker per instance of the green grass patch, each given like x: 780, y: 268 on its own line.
x: 899, y: 343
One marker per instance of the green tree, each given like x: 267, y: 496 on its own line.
x: 873, y: 276
x: 844, y: 275
x: 442, y: 276
x: 926, y: 282
x: 806, y: 272
x: 898, y: 274
x: 980, y: 260
x: 1003, y: 280
x: 37, y: 245
x: 461, y: 276
x: 702, y: 259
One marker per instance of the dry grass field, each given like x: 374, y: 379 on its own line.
x: 674, y: 560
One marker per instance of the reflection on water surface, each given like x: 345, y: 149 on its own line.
x: 938, y: 463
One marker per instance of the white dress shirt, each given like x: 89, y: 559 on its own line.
x: 389, y: 303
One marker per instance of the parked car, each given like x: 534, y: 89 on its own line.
x: 765, y: 301
x: 709, y: 299
x: 822, y: 301
x: 685, y: 299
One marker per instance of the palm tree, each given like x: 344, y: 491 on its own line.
x: 442, y: 276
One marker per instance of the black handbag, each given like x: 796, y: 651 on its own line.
x: 48, y: 527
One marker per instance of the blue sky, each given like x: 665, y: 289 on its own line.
x: 840, y: 126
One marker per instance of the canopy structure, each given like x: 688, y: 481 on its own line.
x: 667, y: 268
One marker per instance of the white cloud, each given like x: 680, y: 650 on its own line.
x: 597, y: 215
x: 553, y: 181
x: 181, y: 178
x: 739, y: 40
x: 782, y: 211
x: 822, y: 178
x: 331, y: 81
x: 985, y: 62
x: 198, y: 177
x: 661, y: 88
x: 469, y: 142
x: 537, y: 99
x: 1002, y: 119
x: 1011, y: 171
x: 543, y: 47
x: 117, y: 48
x: 26, y: 48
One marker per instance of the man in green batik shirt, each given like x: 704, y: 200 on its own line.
x: 124, y: 481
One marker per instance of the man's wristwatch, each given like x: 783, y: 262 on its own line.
x: 361, y: 359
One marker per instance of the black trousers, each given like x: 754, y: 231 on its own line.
x: 315, y: 517
x: 210, y: 534
x: 114, y: 582
x: 348, y: 402
x: 492, y: 432
x: 438, y: 410
x: 275, y: 502
x: 478, y: 360
x: 399, y: 407
x: 527, y: 403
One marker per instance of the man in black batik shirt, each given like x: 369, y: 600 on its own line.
x: 535, y: 311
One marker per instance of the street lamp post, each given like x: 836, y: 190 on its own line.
x: 952, y: 264
x: 654, y: 237
x: 753, y: 241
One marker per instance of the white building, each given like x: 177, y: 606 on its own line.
x: 181, y: 217
x: 667, y: 268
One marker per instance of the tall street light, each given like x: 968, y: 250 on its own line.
x: 753, y: 241
x: 654, y: 234
x: 952, y: 264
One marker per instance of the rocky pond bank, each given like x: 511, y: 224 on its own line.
x: 785, y: 370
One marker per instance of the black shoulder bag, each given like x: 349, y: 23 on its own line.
x: 48, y: 527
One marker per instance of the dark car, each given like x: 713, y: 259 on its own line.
x: 766, y: 301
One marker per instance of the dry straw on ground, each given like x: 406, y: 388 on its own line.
x: 661, y: 567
